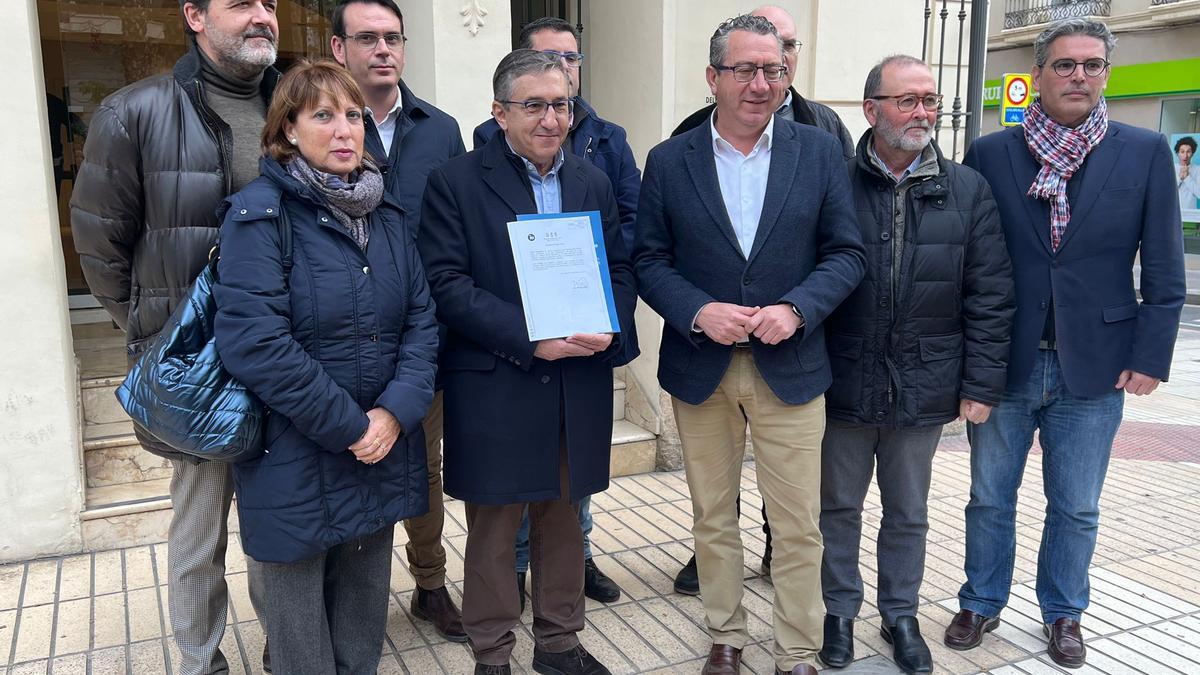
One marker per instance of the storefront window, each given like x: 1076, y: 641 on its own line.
x: 91, y: 49
x: 1180, y: 122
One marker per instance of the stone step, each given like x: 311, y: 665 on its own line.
x: 139, y: 512
x: 100, y: 405
x: 618, y: 399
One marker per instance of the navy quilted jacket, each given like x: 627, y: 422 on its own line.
x: 350, y: 331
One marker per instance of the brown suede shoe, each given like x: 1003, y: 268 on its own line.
x: 967, y: 628
x: 437, y: 607
x: 800, y: 669
x: 1066, y: 643
x: 723, y: 660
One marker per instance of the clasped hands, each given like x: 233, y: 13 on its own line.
x: 377, y: 441
x: 579, y: 344
x: 727, y: 323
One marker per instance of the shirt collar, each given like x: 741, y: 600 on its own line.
x: 787, y: 102
x: 722, y: 145
x: 395, y: 110
x: 532, y: 169
x: 912, y: 168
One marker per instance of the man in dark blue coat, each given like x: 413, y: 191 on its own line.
x: 746, y: 241
x: 528, y: 424
x: 407, y: 137
x: 603, y: 144
x: 1081, y: 197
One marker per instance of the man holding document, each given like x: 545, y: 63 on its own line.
x: 529, y: 356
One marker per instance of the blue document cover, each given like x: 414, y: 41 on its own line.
x: 549, y: 273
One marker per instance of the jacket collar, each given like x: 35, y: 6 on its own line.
x: 187, y: 74
x: 864, y: 164
x: 504, y: 172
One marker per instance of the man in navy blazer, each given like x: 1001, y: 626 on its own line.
x: 746, y: 241
x: 528, y: 424
x: 407, y: 137
x: 1105, y: 195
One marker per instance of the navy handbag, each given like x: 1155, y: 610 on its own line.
x: 179, y: 392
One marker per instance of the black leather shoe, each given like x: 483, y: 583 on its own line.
x: 597, y: 585
x: 575, y: 661
x: 909, y: 650
x: 1066, y: 643
x: 521, y: 589
x: 481, y: 669
x: 687, y: 581
x: 838, y: 649
x: 437, y: 607
x: 967, y: 628
x: 267, y: 656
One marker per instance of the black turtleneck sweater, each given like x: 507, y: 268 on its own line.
x: 239, y: 104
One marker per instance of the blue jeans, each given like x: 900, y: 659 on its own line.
x: 585, y: 522
x: 1076, y: 436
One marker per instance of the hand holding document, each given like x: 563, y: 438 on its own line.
x: 562, y: 269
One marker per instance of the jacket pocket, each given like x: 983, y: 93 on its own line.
x: 846, y: 393
x: 939, y: 347
x: 1120, y: 312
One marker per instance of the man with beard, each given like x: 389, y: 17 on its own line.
x: 1081, y: 198
x: 160, y: 156
x: 921, y: 341
x: 408, y: 137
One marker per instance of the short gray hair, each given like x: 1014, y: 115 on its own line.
x: 1076, y: 26
x: 521, y: 62
x: 875, y: 77
x: 718, y: 44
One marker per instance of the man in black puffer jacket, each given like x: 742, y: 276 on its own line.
x: 160, y: 156
x: 921, y: 341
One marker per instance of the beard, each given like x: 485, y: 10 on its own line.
x: 238, y: 55
x: 898, y: 137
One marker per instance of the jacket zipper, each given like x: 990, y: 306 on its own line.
x: 224, y: 153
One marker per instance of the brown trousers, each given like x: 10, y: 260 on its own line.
x: 426, y: 555
x: 491, y: 599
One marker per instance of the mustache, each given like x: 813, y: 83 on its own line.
x: 259, y: 32
x: 919, y: 124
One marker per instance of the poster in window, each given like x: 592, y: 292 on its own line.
x: 1187, y: 175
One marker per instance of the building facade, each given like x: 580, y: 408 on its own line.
x: 71, y: 479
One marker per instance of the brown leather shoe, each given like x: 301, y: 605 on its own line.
x: 1066, y: 643
x: 967, y: 628
x: 723, y: 660
x: 437, y: 607
x: 800, y: 669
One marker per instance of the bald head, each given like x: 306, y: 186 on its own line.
x: 787, y: 33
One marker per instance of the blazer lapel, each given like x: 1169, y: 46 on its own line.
x: 505, y: 179
x: 1100, y: 164
x: 1025, y: 170
x: 573, y: 183
x: 702, y: 167
x: 785, y: 160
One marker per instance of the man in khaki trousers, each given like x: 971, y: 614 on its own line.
x: 746, y: 241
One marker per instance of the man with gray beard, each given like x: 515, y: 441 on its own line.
x: 921, y: 341
x: 160, y: 156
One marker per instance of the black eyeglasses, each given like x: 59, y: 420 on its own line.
x: 745, y: 72
x: 573, y: 59
x: 908, y: 102
x: 537, y: 108
x: 792, y: 46
x: 369, y: 40
x: 1091, y: 67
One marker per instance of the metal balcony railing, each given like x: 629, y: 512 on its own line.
x: 1021, y: 13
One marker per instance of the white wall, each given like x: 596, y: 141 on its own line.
x: 40, y: 447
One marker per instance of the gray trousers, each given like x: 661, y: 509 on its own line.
x: 328, y: 614
x: 196, y: 543
x: 849, y: 454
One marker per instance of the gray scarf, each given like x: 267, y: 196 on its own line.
x: 348, y: 202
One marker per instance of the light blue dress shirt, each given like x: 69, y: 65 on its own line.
x: 547, y: 191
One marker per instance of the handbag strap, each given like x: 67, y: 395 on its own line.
x: 285, y: 244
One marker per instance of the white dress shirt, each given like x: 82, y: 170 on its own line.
x: 387, y: 128
x: 743, y: 181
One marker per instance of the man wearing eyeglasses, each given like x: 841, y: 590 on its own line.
x: 746, y: 241
x: 1081, y: 197
x: 528, y: 424
x: 604, y: 145
x: 921, y: 341
x: 796, y: 108
x: 408, y: 138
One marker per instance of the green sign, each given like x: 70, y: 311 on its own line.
x: 1163, y: 78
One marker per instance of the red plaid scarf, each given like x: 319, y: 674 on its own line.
x: 1061, y: 151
